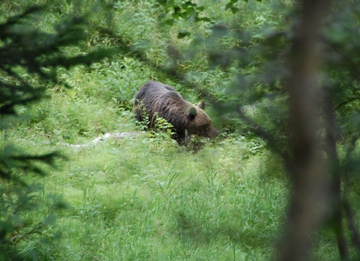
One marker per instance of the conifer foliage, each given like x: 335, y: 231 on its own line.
x: 30, y: 59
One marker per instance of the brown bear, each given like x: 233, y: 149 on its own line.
x: 155, y: 98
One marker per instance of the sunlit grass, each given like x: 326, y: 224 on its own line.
x: 130, y: 201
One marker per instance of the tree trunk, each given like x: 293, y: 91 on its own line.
x: 306, y: 166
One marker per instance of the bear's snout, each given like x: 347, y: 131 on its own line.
x: 215, y: 133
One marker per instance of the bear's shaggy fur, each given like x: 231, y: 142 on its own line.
x: 155, y: 98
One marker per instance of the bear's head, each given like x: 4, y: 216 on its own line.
x: 200, y: 123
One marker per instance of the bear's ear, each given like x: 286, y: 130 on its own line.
x: 192, y: 113
x: 201, y: 105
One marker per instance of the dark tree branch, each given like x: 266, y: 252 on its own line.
x: 349, y: 213
x: 333, y: 164
x: 265, y: 135
x: 350, y: 217
x: 346, y: 102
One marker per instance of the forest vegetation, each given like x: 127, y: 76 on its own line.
x: 281, y: 82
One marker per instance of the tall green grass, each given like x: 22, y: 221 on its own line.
x: 146, y: 200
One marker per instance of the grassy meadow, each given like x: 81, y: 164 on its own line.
x: 146, y: 198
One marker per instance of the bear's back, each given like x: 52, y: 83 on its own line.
x: 153, y: 88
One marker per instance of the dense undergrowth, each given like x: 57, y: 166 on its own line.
x: 145, y: 198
